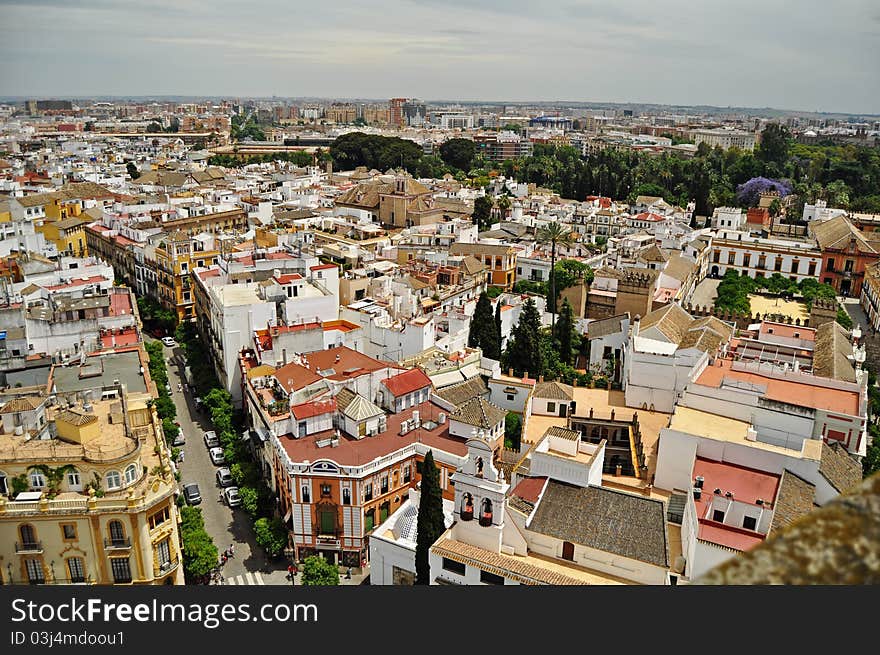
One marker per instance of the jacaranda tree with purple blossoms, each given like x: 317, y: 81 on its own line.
x: 748, y: 193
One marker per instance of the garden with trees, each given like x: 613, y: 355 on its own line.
x: 734, y: 290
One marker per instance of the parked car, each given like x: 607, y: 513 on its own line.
x: 191, y: 493
x: 224, y: 477
x: 179, y: 440
x: 211, y: 440
x: 217, y: 456
x: 230, y: 495
x: 169, y: 342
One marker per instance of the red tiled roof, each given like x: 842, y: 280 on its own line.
x: 321, y: 267
x: 294, y: 377
x: 350, y: 363
x: 792, y: 391
x: 356, y: 452
x: 405, y: 383
x: 529, y: 489
x: 648, y: 216
x: 214, y: 272
x: 77, y: 282
x: 341, y: 325
x: 287, y: 278
x: 313, y: 408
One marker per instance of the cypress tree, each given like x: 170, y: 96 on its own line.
x: 429, y: 525
x: 565, y: 332
x: 500, y: 339
x: 483, y: 333
x: 523, y: 352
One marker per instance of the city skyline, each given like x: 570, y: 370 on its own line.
x: 632, y: 52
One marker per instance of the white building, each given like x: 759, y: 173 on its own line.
x: 726, y: 139
x: 759, y: 257
x: 664, y: 351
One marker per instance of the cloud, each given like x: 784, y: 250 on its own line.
x: 752, y: 52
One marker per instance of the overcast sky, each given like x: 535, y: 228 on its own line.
x: 811, y: 55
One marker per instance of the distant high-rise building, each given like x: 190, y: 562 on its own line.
x: 395, y: 111
x: 414, y: 112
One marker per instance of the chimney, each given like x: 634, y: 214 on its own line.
x: 510, y: 372
x: 635, y: 325
x: 284, y: 356
x: 525, y: 375
x: 540, y: 378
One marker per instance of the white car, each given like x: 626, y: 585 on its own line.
x: 224, y: 477
x: 230, y: 495
x: 217, y: 456
x: 211, y: 440
x: 169, y: 342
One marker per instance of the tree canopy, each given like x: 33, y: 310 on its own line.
x: 430, y: 524
x: 483, y: 331
x: 373, y: 151
x: 318, y: 572
x: 482, y: 215
x: 523, y: 353
x: 458, y: 153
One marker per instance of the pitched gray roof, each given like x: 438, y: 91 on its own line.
x: 607, y: 520
x: 460, y: 393
x: 794, y: 500
x: 605, y: 326
x: 553, y: 390
x: 842, y: 471
x: 831, y: 353
x: 480, y: 413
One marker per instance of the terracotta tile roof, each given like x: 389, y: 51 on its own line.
x: 344, y: 398
x: 356, y: 452
x: 671, y: 321
x: 503, y: 565
x: 407, y: 382
x: 837, y: 233
x: 553, y: 390
x: 562, y: 433
x: 607, y: 520
x: 794, y: 500
x: 350, y: 364
x: 652, y: 254
x: 23, y: 404
x: 842, y: 471
x: 529, y: 489
x: 313, y: 408
x: 471, y: 265
x: 76, y: 418
x: 460, y: 393
x: 480, y: 413
x: 293, y: 377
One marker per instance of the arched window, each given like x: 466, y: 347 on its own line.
x: 467, y: 507
x: 346, y: 496
x: 479, y: 466
x: 117, y: 532
x: 486, y: 514
x: 4, y: 489
x: 306, y: 497
x: 113, y: 480
x: 28, y: 534
x: 131, y: 474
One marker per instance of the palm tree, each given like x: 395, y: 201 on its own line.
x: 504, y: 205
x: 554, y: 234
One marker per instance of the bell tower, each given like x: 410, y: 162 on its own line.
x: 480, y: 491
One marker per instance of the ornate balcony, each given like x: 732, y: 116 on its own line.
x: 29, y: 547
x: 117, y: 544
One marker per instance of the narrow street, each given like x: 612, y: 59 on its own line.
x: 226, y: 525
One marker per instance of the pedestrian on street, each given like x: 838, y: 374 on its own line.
x: 348, y: 573
x: 232, y: 550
